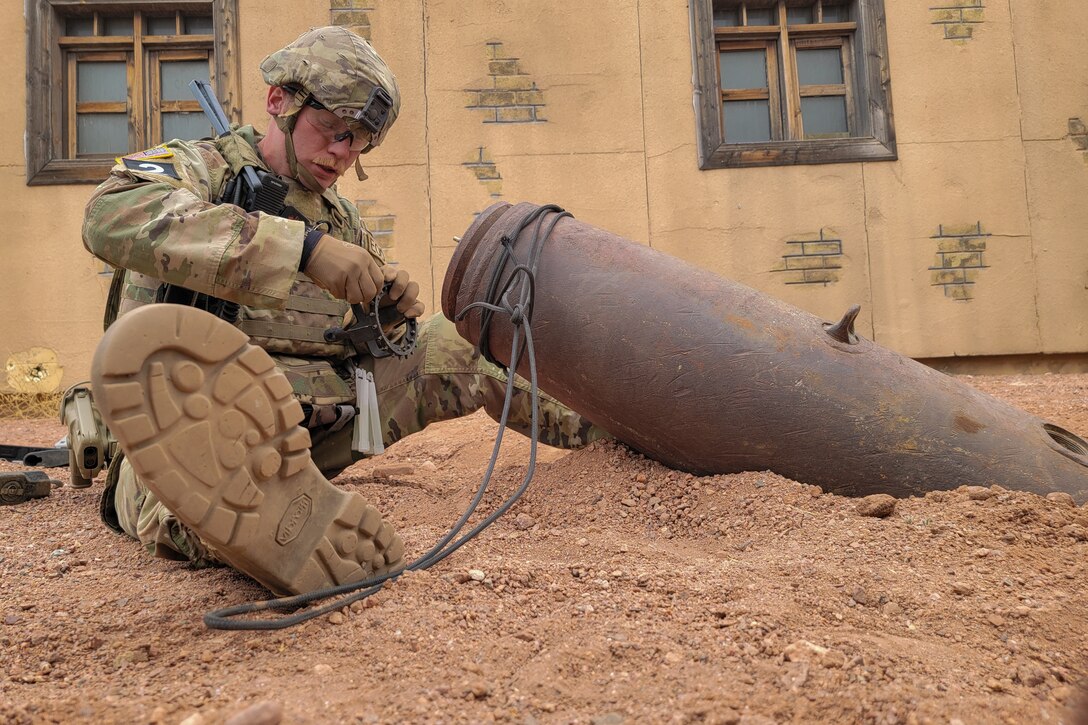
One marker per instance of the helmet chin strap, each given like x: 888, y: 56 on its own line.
x: 359, y: 170
x: 286, y: 124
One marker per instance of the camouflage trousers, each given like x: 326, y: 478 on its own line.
x: 445, y: 377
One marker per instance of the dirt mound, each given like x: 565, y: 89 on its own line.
x: 615, y: 591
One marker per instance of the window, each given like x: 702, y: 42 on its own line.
x: 106, y: 78
x: 791, y: 82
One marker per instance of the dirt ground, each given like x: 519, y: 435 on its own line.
x: 616, y: 591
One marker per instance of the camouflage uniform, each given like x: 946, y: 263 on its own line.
x: 155, y: 219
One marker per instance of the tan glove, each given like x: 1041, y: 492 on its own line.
x: 403, y: 292
x: 347, y: 271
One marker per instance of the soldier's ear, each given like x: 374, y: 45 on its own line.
x: 277, y: 101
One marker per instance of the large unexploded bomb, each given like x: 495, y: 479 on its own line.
x: 710, y: 376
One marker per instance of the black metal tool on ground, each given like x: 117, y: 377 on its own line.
x: 19, y: 486
x: 35, y: 455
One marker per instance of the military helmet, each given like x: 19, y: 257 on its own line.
x: 343, y: 73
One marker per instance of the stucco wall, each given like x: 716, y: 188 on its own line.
x: 970, y: 244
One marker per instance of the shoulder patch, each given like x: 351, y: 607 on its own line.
x: 159, y: 152
x: 157, y: 166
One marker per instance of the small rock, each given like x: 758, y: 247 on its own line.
x: 336, y: 618
x: 609, y: 718
x: 524, y: 522
x: 1061, y: 498
x: 879, y: 506
x: 978, y: 493
x: 428, y: 466
x: 263, y: 713
x: 1062, y: 693
x: 963, y: 589
x: 1078, y: 532
x: 859, y: 595
x: 12, y: 619
x: 476, y: 575
x: 996, y: 620
x: 396, y: 469
x: 804, y: 651
x: 982, y: 553
x: 322, y: 670
x: 195, y: 719
x: 891, y: 609
x: 795, y: 676
x: 582, y: 542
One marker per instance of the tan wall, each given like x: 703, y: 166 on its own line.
x: 989, y: 164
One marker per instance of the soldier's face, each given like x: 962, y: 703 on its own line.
x: 320, y: 144
x: 317, y: 147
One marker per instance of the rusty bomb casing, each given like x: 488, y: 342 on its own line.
x: 709, y: 376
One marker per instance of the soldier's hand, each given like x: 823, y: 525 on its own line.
x: 403, y: 291
x: 347, y: 271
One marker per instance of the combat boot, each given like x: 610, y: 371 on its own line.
x: 210, y: 426
x: 19, y: 486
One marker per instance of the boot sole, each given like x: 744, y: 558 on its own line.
x: 211, y: 427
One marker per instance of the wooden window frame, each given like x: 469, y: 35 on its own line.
x: 50, y: 110
x: 867, y: 86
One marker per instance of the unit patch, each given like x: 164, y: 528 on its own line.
x: 158, y: 166
x: 152, y: 161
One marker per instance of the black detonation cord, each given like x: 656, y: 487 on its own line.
x: 499, y: 299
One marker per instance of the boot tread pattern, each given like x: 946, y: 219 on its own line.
x: 211, y: 427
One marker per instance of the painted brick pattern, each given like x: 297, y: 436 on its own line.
x: 1078, y: 134
x: 957, y: 18
x: 353, y: 15
x: 960, y: 252
x: 513, y: 96
x: 816, y: 259
x: 486, y: 171
x: 380, y: 223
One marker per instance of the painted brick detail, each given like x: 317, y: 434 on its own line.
x: 815, y: 259
x: 1078, y: 134
x: 485, y: 170
x: 957, y: 18
x: 353, y: 15
x: 513, y: 96
x: 960, y: 256
x: 380, y: 223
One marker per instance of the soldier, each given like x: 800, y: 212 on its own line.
x: 214, y: 467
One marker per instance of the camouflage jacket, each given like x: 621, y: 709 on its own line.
x: 156, y: 217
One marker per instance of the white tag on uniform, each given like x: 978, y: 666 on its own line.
x: 368, y: 427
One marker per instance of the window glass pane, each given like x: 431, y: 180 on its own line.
x: 799, y: 16
x: 836, y: 13
x: 161, y: 25
x: 101, y: 81
x: 747, y: 121
x: 819, y: 66
x: 117, y: 25
x: 743, y: 69
x: 102, y: 133
x: 79, y: 26
x: 762, y: 16
x: 175, y: 76
x: 824, y: 116
x: 185, y: 126
x: 725, y: 15
x: 197, y: 24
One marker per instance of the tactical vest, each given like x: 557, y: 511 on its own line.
x: 299, y: 328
